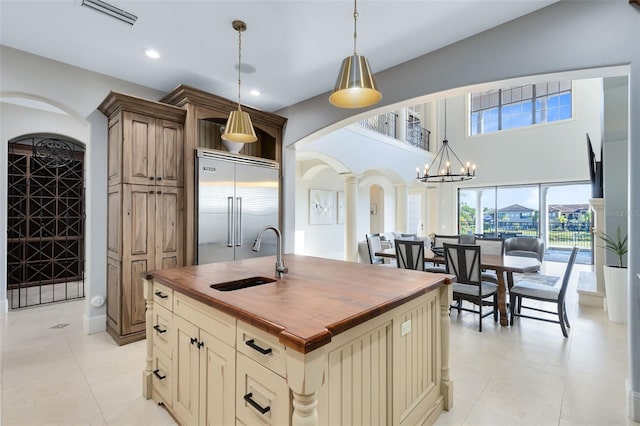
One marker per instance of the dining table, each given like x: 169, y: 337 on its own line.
x: 504, y: 266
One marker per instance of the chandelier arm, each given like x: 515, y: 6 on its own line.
x: 439, y: 157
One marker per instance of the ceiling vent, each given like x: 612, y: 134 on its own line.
x: 110, y: 10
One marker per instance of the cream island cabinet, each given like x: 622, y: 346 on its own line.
x: 330, y: 343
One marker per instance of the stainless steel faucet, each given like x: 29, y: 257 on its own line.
x: 281, y: 269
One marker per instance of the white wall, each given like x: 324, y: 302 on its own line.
x: 317, y: 240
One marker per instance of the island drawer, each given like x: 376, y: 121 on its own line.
x: 163, y: 329
x: 261, y: 347
x: 262, y: 397
x: 163, y: 296
x: 162, y: 377
x: 211, y: 320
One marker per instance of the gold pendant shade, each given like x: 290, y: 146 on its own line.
x: 356, y: 87
x: 239, y: 128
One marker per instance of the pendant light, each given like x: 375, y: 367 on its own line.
x: 239, y: 127
x: 355, y: 87
x: 438, y: 172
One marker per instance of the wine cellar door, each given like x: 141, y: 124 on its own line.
x: 45, y: 221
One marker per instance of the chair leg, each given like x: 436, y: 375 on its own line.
x: 459, y: 304
x: 561, y: 317
x: 495, y: 307
x: 566, y: 319
x: 512, y: 307
x: 480, y: 310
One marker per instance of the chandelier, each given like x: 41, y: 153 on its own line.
x: 445, y: 164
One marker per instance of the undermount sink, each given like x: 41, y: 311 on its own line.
x: 243, y: 283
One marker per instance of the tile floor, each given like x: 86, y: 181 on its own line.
x: 525, y: 375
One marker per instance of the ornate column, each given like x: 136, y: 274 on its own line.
x: 305, y: 375
x: 147, y: 377
x: 446, y: 385
x: 402, y: 199
x: 350, y: 217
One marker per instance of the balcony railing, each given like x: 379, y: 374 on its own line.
x: 387, y: 123
x: 418, y: 136
x: 383, y: 123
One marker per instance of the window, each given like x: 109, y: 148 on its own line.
x: 519, y: 106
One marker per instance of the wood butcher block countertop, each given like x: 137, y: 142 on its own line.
x: 316, y: 299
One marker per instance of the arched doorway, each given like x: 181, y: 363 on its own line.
x: 45, y: 220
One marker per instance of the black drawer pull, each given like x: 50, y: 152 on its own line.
x: 158, y: 329
x: 194, y: 341
x: 157, y: 374
x: 200, y: 344
x: 161, y: 295
x: 251, y: 343
x: 255, y: 405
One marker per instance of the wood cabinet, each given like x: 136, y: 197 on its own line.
x: 145, y: 204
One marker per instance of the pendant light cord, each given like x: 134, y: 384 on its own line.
x: 239, y: 58
x: 445, y: 118
x: 355, y: 21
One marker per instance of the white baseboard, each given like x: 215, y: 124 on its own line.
x: 92, y: 325
x: 633, y: 402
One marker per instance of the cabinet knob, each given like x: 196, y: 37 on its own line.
x: 158, y: 192
x: 200, y: 344
x: 151, y: 178
x: 150, y: 192
x: 194, y: 341
x: 159, y: 178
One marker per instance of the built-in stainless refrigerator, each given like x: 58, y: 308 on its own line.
x: 236, y: 196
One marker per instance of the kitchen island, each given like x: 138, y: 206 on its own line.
x: 329, y: 343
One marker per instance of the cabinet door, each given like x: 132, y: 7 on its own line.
x: 217, y: 381
x: 168, y: 228
x: 169, y: 153
x: 138, y: 250
x: 186, y: 371
x: 138, y: 149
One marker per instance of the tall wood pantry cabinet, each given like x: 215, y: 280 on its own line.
x: 145, y: 202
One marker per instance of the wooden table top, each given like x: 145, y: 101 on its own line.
x: 487, y: 261
x: 317, y: 299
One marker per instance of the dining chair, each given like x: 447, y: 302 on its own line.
x: 466, y: 239
x: 493, y: 246
x: 463, y: 261
x: 374, y: 243
x: 542, y: 292
x: 410, y: 254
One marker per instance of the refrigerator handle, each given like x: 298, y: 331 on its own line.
x: 230, y: 225
x: 239, y: 222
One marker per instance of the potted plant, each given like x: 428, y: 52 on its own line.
x: 615, y: 278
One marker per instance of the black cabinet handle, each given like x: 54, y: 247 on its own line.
x: 157, y: 374
x: 194, y: 341
x: 158, y: 329
x: 161, y: 295
x: 151, y: 178
x: 159, y: 178
x: 255, y: 405
x: 200, y: 344
x: 251, y: 343
x: 158, y: 192
x: 151, y: 192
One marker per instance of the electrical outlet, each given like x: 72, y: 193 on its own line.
x: 405, y: 328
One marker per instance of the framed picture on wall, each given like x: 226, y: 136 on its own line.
x: 321, y: 207
x: 340, y: 207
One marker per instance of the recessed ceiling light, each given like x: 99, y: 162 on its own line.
x: 152, y: 53
x: 255, y: 92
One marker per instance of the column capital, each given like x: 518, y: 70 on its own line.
x: 350, y: 177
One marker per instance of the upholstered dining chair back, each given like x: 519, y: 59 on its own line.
x: 374, y: 243
x: 463, y: 261
x: 525, y: 247
x: 466, y: 239
x: 410, y: 254
x: 492, y: 246
x: 439, y: 240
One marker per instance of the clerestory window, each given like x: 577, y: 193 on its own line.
x: 520, y: 106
